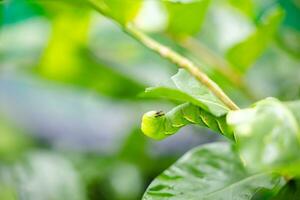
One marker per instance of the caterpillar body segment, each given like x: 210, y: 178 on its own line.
x: 210, y: 121
x: 159, y: 125
x: 153, y: 125
x: 192, y: 114
x: 225, y: 129
x: 176, y: 117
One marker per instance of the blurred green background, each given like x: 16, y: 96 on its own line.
x: 71, y: 84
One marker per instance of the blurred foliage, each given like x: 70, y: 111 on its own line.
x: 69, y: 47
x: 258, y: 132
x: 289, y: 191
x: 121, y: 10
x: 243, y: 54
x: 13, y: 142
x: 66, y: 59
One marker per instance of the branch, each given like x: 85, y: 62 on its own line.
x: 175, y: 58
x: 182, y: 62
x: 212, y: 59
x: 221, y: 65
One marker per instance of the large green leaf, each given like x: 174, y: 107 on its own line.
x: 185, y: 88
x: 245, y: 53
x: 267, y: 136
x: 159, y: 125
x: 122, y: 11
x: 209, y: 172
x: 185, y: 17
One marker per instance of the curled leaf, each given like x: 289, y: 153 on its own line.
x: 184, y: 87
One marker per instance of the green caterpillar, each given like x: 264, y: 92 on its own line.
x: 159, y: 125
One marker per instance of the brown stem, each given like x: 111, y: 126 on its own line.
x: 181, y: 62
x: 218, y: 63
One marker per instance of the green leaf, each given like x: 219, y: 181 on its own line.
x: 159, y: 125
x: 185, y: 88
x: 245, y: 6
x: 245, y: 53
x: 66, y: 59
x: 122, y: 11
x: 61, y: 57
x: 185, y: 17
x: 209, y: 172
x: 267, y: 136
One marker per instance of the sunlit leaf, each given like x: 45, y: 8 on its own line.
x: 67, y: 60
x: 245, y: 6
x: 267, y: 136
x: 122, y: 11
x: 183, y: 87
x: 245, y: 53
x: 185, y: 17
x: 213, y: 171
x: 60, y: 60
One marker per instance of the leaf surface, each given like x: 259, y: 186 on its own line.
x: 185, y: 17
x: 209, y: 172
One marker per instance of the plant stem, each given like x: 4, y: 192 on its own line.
x: 175, y: 58
x: 182, y: 62
x: 218, y: 63
x: 211, y: 59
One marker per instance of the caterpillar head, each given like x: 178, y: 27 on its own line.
x: 153, y: 124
